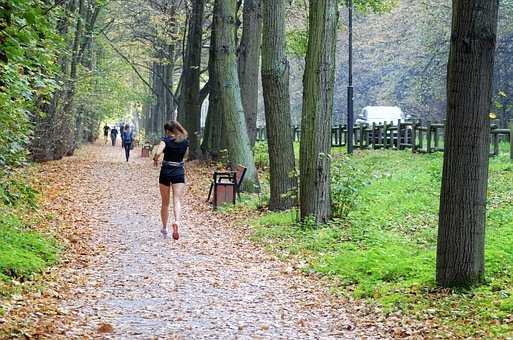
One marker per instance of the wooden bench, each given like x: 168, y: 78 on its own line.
x: 225, y: 186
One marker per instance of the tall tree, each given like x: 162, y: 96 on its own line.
x: 318, y: 83
x: 191, y: 77
x: 228, y: 89
x: 55, y: 130
x: 460, y: 253
x: 249, y: 62
x: 213, y: 141
x: 275, y: 82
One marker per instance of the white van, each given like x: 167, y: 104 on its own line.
x: 381, y: 114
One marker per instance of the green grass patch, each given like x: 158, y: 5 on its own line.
x: 23, y: 252
x: 382, y: 244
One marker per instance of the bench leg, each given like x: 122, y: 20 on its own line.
x: 210, y: 192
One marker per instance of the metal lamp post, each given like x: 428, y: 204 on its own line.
x: 350, y: 108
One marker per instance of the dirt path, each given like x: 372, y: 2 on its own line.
x: 213, y: 283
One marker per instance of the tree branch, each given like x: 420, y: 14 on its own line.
x: 137, y: 71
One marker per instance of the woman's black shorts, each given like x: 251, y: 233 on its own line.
x: 171, y: 175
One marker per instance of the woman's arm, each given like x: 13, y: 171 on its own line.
x: 160, y: 151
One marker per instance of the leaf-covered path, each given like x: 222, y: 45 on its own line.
x: 212, y: 283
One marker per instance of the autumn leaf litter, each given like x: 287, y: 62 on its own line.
x: 118, y: 278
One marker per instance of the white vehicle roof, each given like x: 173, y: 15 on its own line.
x: 377, y: 114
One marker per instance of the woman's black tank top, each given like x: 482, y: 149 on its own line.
x: 174, y: 151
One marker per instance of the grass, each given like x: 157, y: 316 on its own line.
x: 381, y: 245
x: 23, y: 251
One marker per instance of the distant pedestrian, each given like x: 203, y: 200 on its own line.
x: 121, y: 128
x: 113, y: 135
x: 127, y: 138
x: 106, y: 129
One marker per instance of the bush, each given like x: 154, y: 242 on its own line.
x: 346, y: 182
x: 14, y: 190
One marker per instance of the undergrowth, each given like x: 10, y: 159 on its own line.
x: 23, y: 251
x: 381, y: 245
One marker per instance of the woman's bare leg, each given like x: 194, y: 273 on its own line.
x: 178, y: 190
x: 164, y: 209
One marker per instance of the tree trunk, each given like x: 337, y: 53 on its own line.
x: 236, y: 134
x: 461, y: 232
x: 213, y: 142
x: 249, y: 63
x: 275, y: 81
x: 318, y: 83
x: 53, y: 131
x: 155, y: 110
x: 67, y: 141
x: 86, y: 124
x: 191, y: 72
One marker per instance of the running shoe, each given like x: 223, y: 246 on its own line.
x: 163, y: 231
x: 176, y: 236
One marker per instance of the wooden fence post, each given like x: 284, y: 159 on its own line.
x: 362, y: 135
x: 385, y: 135
x: 380, y: 135
x: 511, y: 139
x: 436, y: 137
x: 398, y: 134
x: 414, y: 137
x: 339, y: 132
x: 428, y: 135
x: 373, y: 136
x: 495, y: 143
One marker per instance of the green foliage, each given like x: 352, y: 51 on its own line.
x: 28, y: 46
x: 23, y: 252
x: 297, y: 42
x: 15, y: 191
x: 261, y: 155
x: 384, y: 250
x: 297, y: 35
x: 105, y: 92
x: 375, y: 6
x: 347, y: 181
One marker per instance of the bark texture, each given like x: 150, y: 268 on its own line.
x: 213, y: 142
x: 236, y: 134
x: 275, y: 82
x: 318, y: 84
x: 461, y: 232
x: 54, y: 130
x: 249, y: 63
x: 191, y: 78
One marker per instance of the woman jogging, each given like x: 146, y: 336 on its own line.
x: 127, y: 137
x: 173, y: 146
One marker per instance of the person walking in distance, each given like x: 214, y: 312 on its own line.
x: 127, y: 137
x: 106, y: 129
x: 121, y: 128
x: 174, y: 147
x: 113, y: 135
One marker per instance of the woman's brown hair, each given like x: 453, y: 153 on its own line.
x: 176, y: 129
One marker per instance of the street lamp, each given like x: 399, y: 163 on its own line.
x: 350, y: 108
